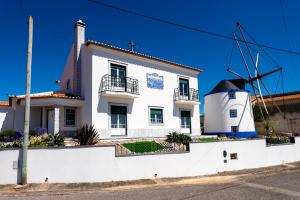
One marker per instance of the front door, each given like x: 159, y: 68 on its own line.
x: 118, y: 120
x: 50, y: 122
x: 184, y: 88
x: 118, y: 77
x: 185, y: 121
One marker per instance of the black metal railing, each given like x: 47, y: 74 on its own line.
x: 118, y: 84
x: 190, y: 95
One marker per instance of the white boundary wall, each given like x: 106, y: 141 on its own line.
x: 99, y: 163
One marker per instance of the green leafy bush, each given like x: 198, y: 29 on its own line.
x: 33, y: 133
x: 87, y: 135
x: 39, y: 141
x: 179, y: 138
x: 56, y: 140
x: 8, y: 135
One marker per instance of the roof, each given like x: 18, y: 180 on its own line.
x: 226, y: 85
x: 295, y: 95
x: 4, y: 103
x: 48, y: 95
x: 89, y: 42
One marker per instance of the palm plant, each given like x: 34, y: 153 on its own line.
x: 87, y: 135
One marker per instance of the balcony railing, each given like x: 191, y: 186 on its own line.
x: 117, y: 84
x: 190, y: 95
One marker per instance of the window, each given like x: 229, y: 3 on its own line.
x: 184, y: 87
x: 118, y: 75
x: 234, y: 129
x: 185, y: 119
x: 231, y: 95
x: 118, y: 116
x: 233, y: 113
x: 156, y: 116
x: 70, y: 117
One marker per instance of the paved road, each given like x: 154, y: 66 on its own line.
x: 281, y: 185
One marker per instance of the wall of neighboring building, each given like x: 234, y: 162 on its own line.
x: 6, y: 118
x: 68, y: 73
x: 138, y: 109
x: 290, y: 124
x: 217, y: 116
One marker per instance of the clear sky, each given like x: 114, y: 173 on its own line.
x: 53, y: 36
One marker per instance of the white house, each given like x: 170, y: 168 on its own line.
x: 228, y: 111
x: 124, y: 94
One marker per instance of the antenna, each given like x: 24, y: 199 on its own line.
x: 131, y: 45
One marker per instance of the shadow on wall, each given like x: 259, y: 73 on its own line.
x: 6, y: 118
x: 104, y: 102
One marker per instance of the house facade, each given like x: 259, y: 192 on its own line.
x: 124, y: 94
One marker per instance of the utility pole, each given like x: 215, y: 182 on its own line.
x: 27, y: 102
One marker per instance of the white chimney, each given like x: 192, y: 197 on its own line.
x: 79, y: 40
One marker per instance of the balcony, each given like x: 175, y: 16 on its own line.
x: 119, y: 87
x: 189, y: 98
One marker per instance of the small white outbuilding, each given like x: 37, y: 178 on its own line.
x: 228, y: 110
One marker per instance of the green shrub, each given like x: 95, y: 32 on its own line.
x: 179, y: 138
x: 39, y: 141
x: 56, y: 140
x: 87, y: 135
x: 33, y: 133
x: 8, y: 135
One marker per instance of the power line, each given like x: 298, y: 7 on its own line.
x: 183, y: 26
x: 284, y: 23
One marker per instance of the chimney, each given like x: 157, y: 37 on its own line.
x: 79, y: 40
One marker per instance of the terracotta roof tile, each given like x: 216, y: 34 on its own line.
x: 280, y: 97
x: 48, y: 95
x: 142, y: 55
x: 4, y: 103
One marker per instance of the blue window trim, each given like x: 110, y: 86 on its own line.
x: 230, y: 112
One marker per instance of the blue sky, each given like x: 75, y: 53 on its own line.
x: 53, y: 35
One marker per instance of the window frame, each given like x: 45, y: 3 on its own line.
x: 75, y: 116
x: 230, y: 113
x: 180, y: 119
x: 230, y: 93
x: 110, y: 115
x: 149, y: 116
x: 237, y: 129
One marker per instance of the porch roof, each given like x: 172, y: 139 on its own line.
x: 48, y: 99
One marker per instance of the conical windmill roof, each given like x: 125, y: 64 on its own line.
x: 223, y: 86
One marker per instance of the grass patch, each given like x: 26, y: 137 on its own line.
x: 143, y: 147
x: 207, y: 139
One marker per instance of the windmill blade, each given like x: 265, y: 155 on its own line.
x: 265, y: 74
x: 258, y: 85
x: 270, y: 96
x: 261, y: 112
x: 236, y: 74
x: 242, y: 55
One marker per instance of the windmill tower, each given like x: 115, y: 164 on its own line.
x: 228, y: 110
x: 227, y: 107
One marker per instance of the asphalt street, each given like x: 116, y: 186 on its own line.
x: 280, y: 185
